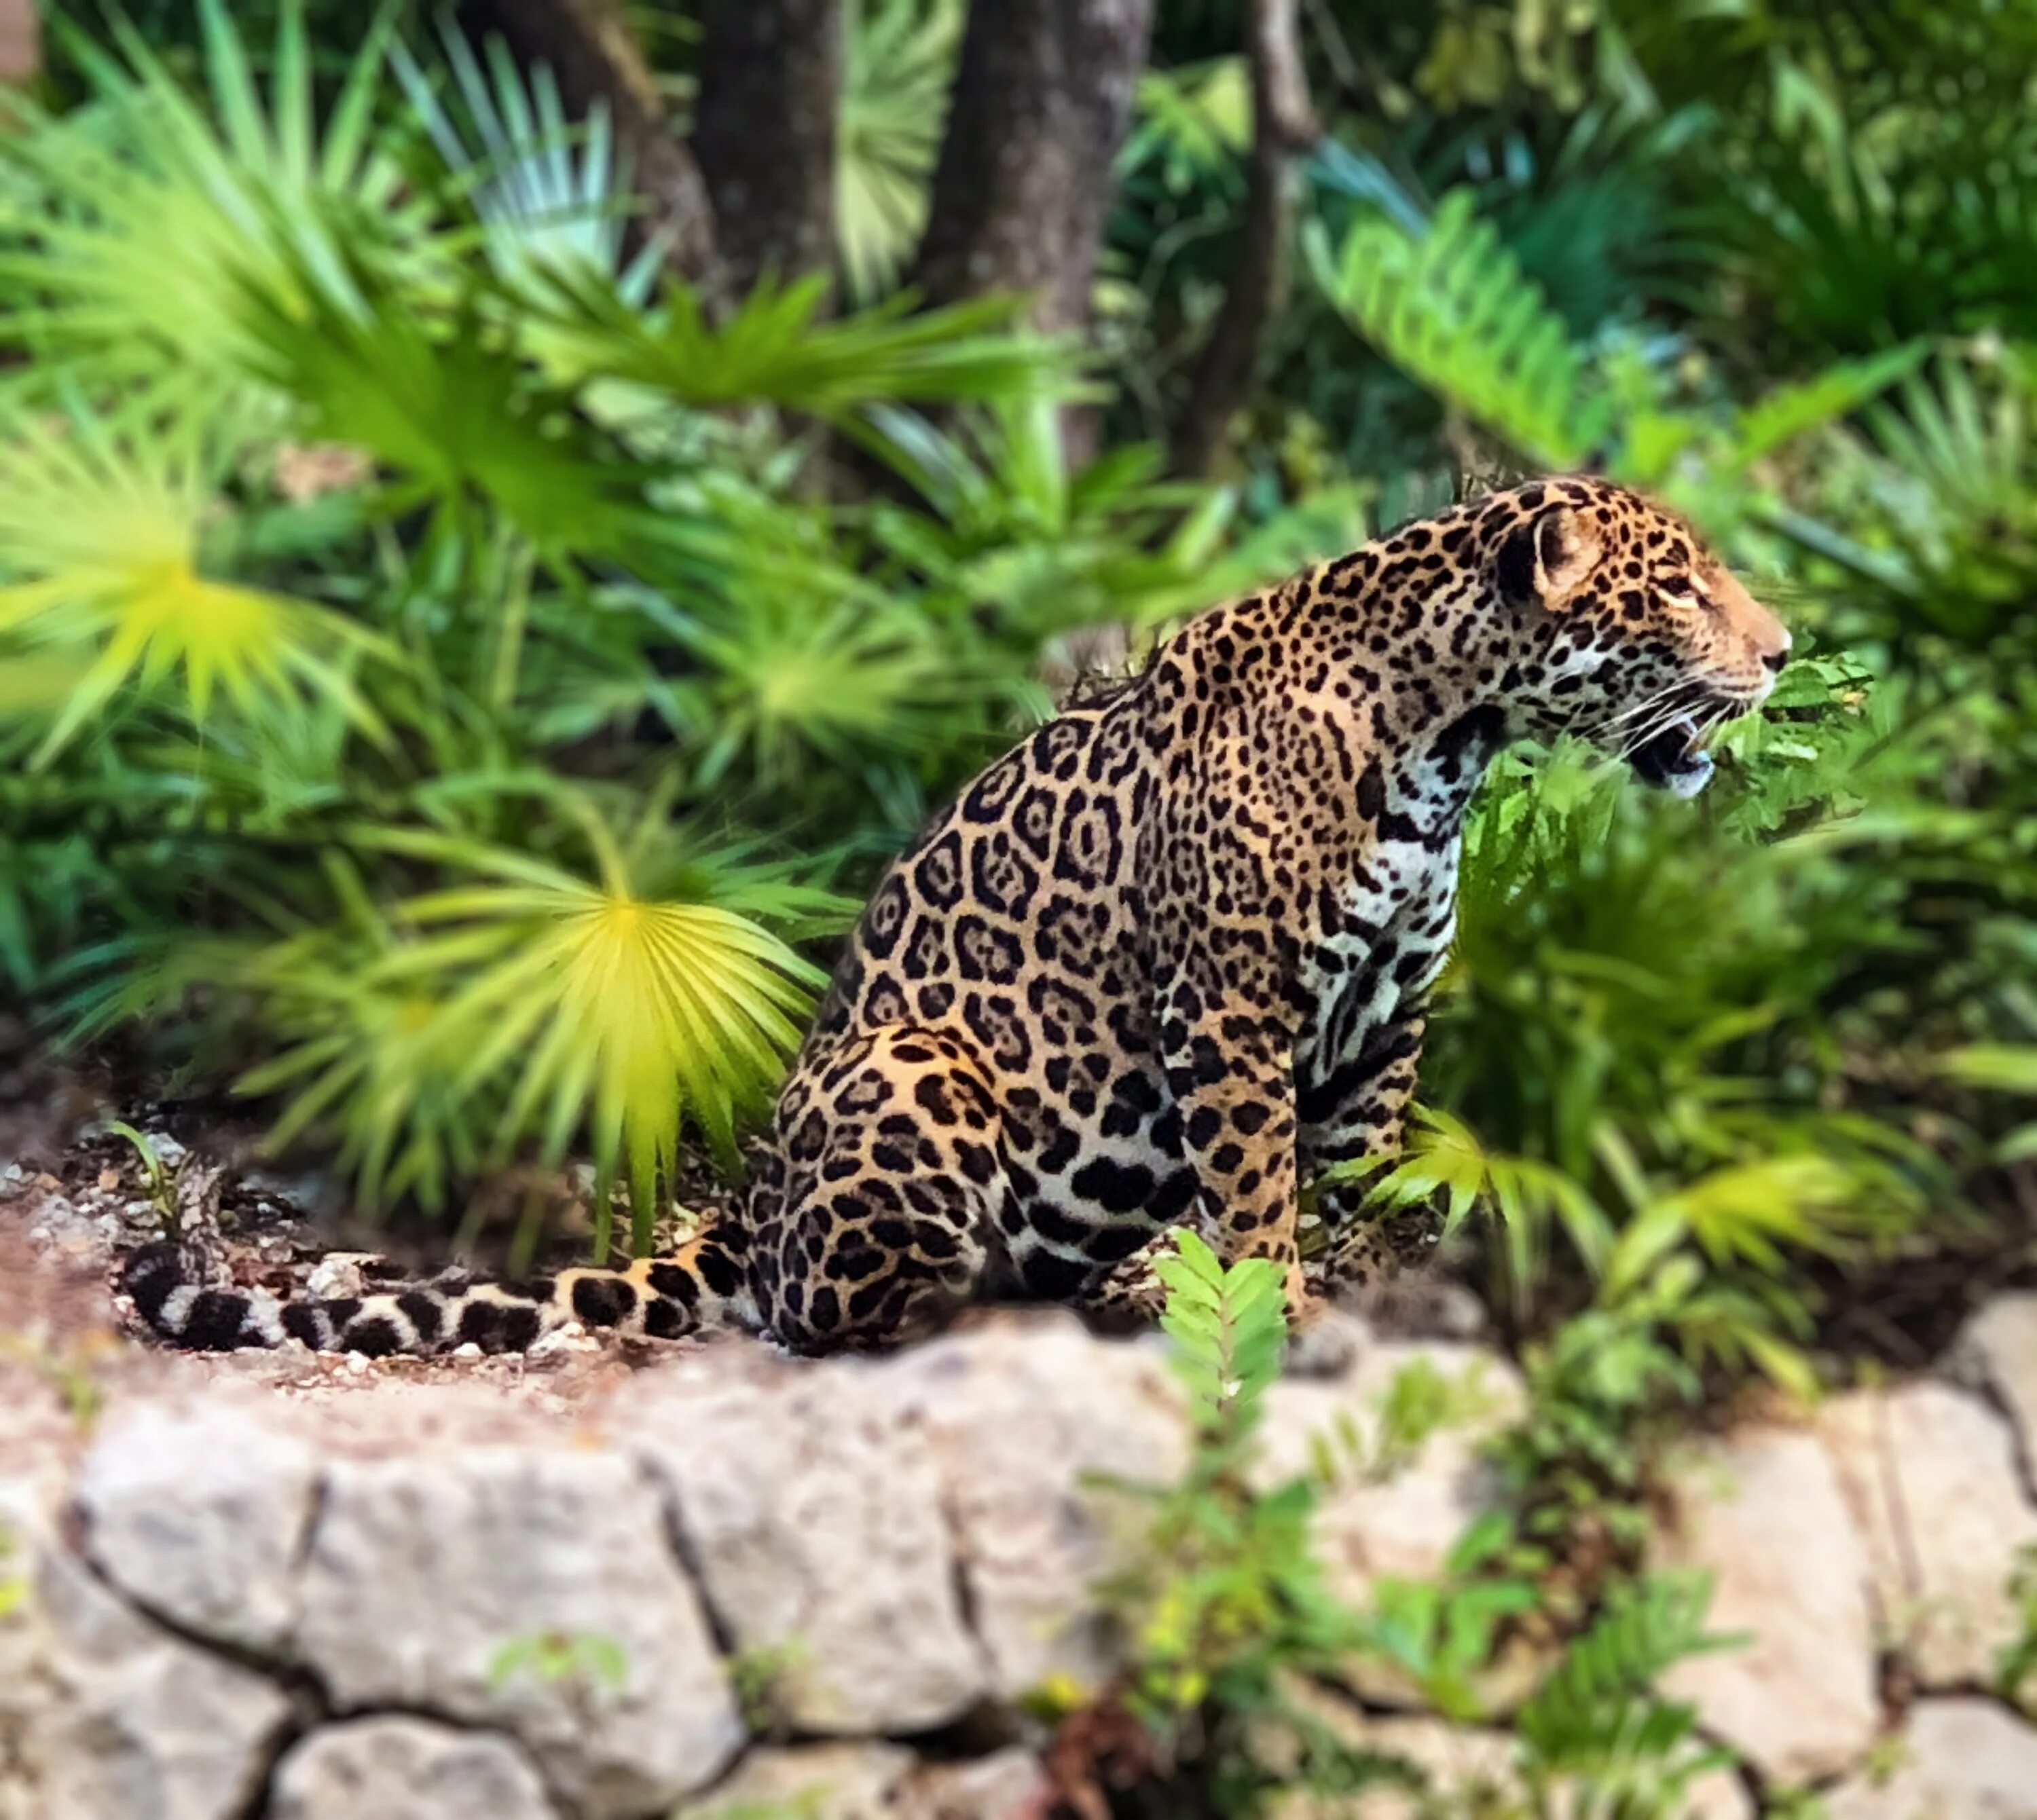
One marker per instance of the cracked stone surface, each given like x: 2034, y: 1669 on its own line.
x: 1997, y: 1352
x: 198, y: 1512
x: 327, y: 1592
x: 1462, y: 1770
x: 1006, y: 1785
x: 1403, y: 1523
x: 1955, y: 1759
x: 871, y: 1781
x: 401, y: 1769
x: 811, y: 1508
x: 424, y: 1574
x: 1024, y: 1419
x: 103, y: 1714
x: 815, y: 1782
x: 1930, y: 1475
x: 1762, y: 1511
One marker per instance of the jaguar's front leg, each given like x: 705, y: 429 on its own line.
x: 1366, y: 1121
x: 1230, y: 1072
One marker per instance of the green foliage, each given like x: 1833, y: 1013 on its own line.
x: 161, y: 1183
x: 14, y: 1587
x: 434, y: 686
x: 1239, y: 1646
x: 755, y: 1675
x: 1225, y: 1608
x: 139, y: 222
x: 1441, y: 1635
x: 1229, y: 1327
x: 582, y: 1661
x: 1232, y: 1588
x: 1597, y: 1741
x: 1419, y: 1403
x: 1635, y: 1038
x: 901, y: 61
x: 2016, y: 1662
x: 1451, y: 307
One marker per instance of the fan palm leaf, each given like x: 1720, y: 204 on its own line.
x: 135, y: 227
x: 595, y: 1007
x: 894, y: 100
x: 99, y: 546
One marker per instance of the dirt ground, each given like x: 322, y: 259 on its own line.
x: 77, y: 1195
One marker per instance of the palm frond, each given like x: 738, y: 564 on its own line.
x: 138, y: 223
x: 520, y: 1007
x: 454, y: 410
x: 894, y: 102
x: 601, y: 1009
x: 774, y: 349
x: 550, y: 195
x: 99, y: 544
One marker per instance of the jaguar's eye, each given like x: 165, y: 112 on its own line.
x: 1684, y: 600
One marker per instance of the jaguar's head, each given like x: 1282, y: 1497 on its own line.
x: 1622, y: 627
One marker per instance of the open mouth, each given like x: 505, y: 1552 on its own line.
x: 1672, y: 760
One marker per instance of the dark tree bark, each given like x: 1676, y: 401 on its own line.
x: 770, y: 93
x: 1284, y: 127
x: 594, y: 59
x: 1042, y: 100
x: 20, y: 41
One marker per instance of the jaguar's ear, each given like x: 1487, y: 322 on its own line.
x: 1550, y: 558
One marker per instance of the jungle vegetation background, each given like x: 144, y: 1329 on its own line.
x: 509, y: 516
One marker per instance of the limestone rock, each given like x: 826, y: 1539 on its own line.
x: 872, y: 1781
x: 199, y: 1513
x: 1025, y: 1417
x: 811, y: 1510
x: 407, y: 1769
x: 1997, y: 1352
x: 1762, y: 1511
x: 815, y: 1781
x: 1462, y: 1766
x: 1461, y: 1769
x: 102, y: 1714
x: 1402, y: 1522
x: 1718, y: 1795
x: 533, y: 1590
x: 1955, y: 1759
x: 1930, y: 1476
x: 1006, y: 1785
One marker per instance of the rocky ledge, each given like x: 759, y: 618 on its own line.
x: 731, y: 1583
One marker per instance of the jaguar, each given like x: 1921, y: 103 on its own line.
x: 1160, y: 966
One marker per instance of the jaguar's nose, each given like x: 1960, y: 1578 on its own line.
x: 1773, y: 660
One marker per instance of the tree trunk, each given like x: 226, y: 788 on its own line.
x: 1283, y: 128
x: 1027, y: 172
x: 20, y: 41
x: 770, y: 94
x: 595, y: 60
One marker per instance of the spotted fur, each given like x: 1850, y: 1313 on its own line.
x: 1164, y: 961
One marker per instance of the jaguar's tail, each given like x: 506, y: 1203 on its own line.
x: 703, y: 1284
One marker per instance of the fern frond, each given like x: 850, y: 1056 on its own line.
x: 1229, y: 1327
x: 1585, y: 1707
x: 1452, y: 307
x: 1786, y: 412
